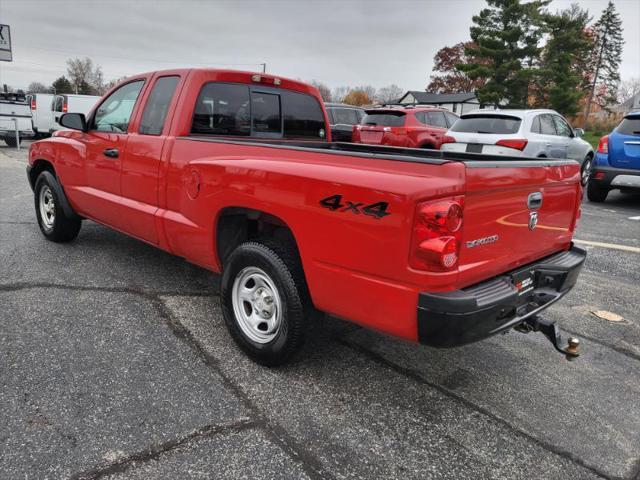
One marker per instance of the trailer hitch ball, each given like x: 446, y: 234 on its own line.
x: 550, y: 330
x: 573, y: 348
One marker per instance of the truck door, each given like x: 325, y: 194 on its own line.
x: 141, y: 165
x: 106, y: 143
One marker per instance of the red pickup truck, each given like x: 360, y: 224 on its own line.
x: 236, y: 172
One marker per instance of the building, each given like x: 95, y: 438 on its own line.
x: 458, y: 103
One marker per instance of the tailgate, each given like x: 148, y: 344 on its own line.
x: 516, y: 212
x: 10, y: 111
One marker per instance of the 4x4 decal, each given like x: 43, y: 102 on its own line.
x: 376, y: 210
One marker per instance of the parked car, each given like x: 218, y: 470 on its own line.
x: 14, y: 108
x: 409, y: 127
x: 520, y: 133
x: 42, y: 113
x: 236, y: 172
x: 70, y: 103
x: 342, y: 118
x: 617, y: 162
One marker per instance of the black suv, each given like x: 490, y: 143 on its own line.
x: 342, y: 118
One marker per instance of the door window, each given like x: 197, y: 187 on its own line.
x: 547, y: 125
x: 155, y: 112
x: 114, y: 113
x: 346, y: 116
x: 535, y: 126
x: 563, y: 129
x: 58, y: 103
x: 436, y: 119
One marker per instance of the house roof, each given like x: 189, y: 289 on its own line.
x: 425, y: 97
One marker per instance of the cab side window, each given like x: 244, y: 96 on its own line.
x: 114, y: 113
x: 157, y: 107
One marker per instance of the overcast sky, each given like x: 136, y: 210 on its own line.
x: 376, y: 42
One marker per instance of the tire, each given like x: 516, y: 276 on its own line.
x: 11, y: 141
x: 585, y: 170
x: 596, y: 194
x: 263, y: 298
x: 54, y: 224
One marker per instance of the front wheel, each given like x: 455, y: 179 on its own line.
x: 262, y: 297
x: 54, y: 224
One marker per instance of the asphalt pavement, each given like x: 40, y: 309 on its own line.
x: 115, y: 363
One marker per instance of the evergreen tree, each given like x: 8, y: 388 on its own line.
x: 561, y: 72
x: 62, y: 85
x: 506, y: 38
x: 607, y: 56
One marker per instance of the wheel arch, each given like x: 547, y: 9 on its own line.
x: 40, y: 165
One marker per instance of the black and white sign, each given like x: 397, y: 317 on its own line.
x: 5, y: 44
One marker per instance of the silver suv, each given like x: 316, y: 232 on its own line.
x: 520, y: 133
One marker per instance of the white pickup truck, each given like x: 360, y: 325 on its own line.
x: 15, y: 118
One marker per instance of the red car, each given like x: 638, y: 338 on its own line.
x: 409, y: 127
x: 234, y: 171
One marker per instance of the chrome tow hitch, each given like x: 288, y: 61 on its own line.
x: 551, y: 330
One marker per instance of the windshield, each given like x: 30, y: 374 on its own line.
x: 384, y: 119
x: 629, y: 126
x: 499, y: 124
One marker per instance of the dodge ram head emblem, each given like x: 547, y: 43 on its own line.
x: 533, y: 220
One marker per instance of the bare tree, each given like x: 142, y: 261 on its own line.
x: 628, y: 89
x: 325, y: 92
x: 389, y: 94
x: 369, y: 90
x: 339, y: 93
x: 37, y: 87
x: 84, y: 76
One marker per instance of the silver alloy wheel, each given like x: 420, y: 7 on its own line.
x: 47, y: 207
x: 256, y: 305
x: 586, y: 171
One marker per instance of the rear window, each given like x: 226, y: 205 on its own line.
x: 386, y: 119
x: 345, y: 116
x: 235, y: 109
x: 499, y: 124
x: 629, y: 126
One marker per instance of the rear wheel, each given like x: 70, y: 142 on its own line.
x: 263, y: 300
x: 54, y: 224
x: 596, y: 194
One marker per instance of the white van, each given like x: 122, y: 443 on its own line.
x: 41, y: 112
x: 14, y: 113
x: 70, y: 103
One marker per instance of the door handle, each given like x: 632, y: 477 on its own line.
x: 111, y: 153
x: 534, y: 200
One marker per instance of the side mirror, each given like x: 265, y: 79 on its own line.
x: 579, y: 132
x: 74, y: 121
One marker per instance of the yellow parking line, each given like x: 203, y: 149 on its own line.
x: 612, y: 246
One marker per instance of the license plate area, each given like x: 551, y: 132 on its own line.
x: 474, y: 148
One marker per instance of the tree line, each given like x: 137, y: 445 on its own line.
x: 521, y: 55
x: 83, y: 77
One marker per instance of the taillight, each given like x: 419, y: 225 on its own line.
x: 437, y: 235
x: 448, y: 139
x: 65, y: 107
x: 33, y: 104
x: 599, y: 175
x: 603, y: 146
x: 516, y: 143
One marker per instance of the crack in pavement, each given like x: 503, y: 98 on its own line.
x: 415, y: 376
x: 274, y: 432
x: 155, y: 451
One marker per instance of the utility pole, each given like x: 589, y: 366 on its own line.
x: 264, y: 67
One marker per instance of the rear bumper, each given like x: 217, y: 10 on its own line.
x: 616, y: 177
x: 455, y: 318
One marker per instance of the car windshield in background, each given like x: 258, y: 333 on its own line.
x: 499, y: 124
x: 387, y: 119
x: 629, y: 126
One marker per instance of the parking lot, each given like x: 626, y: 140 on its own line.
x: 115, y: 363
